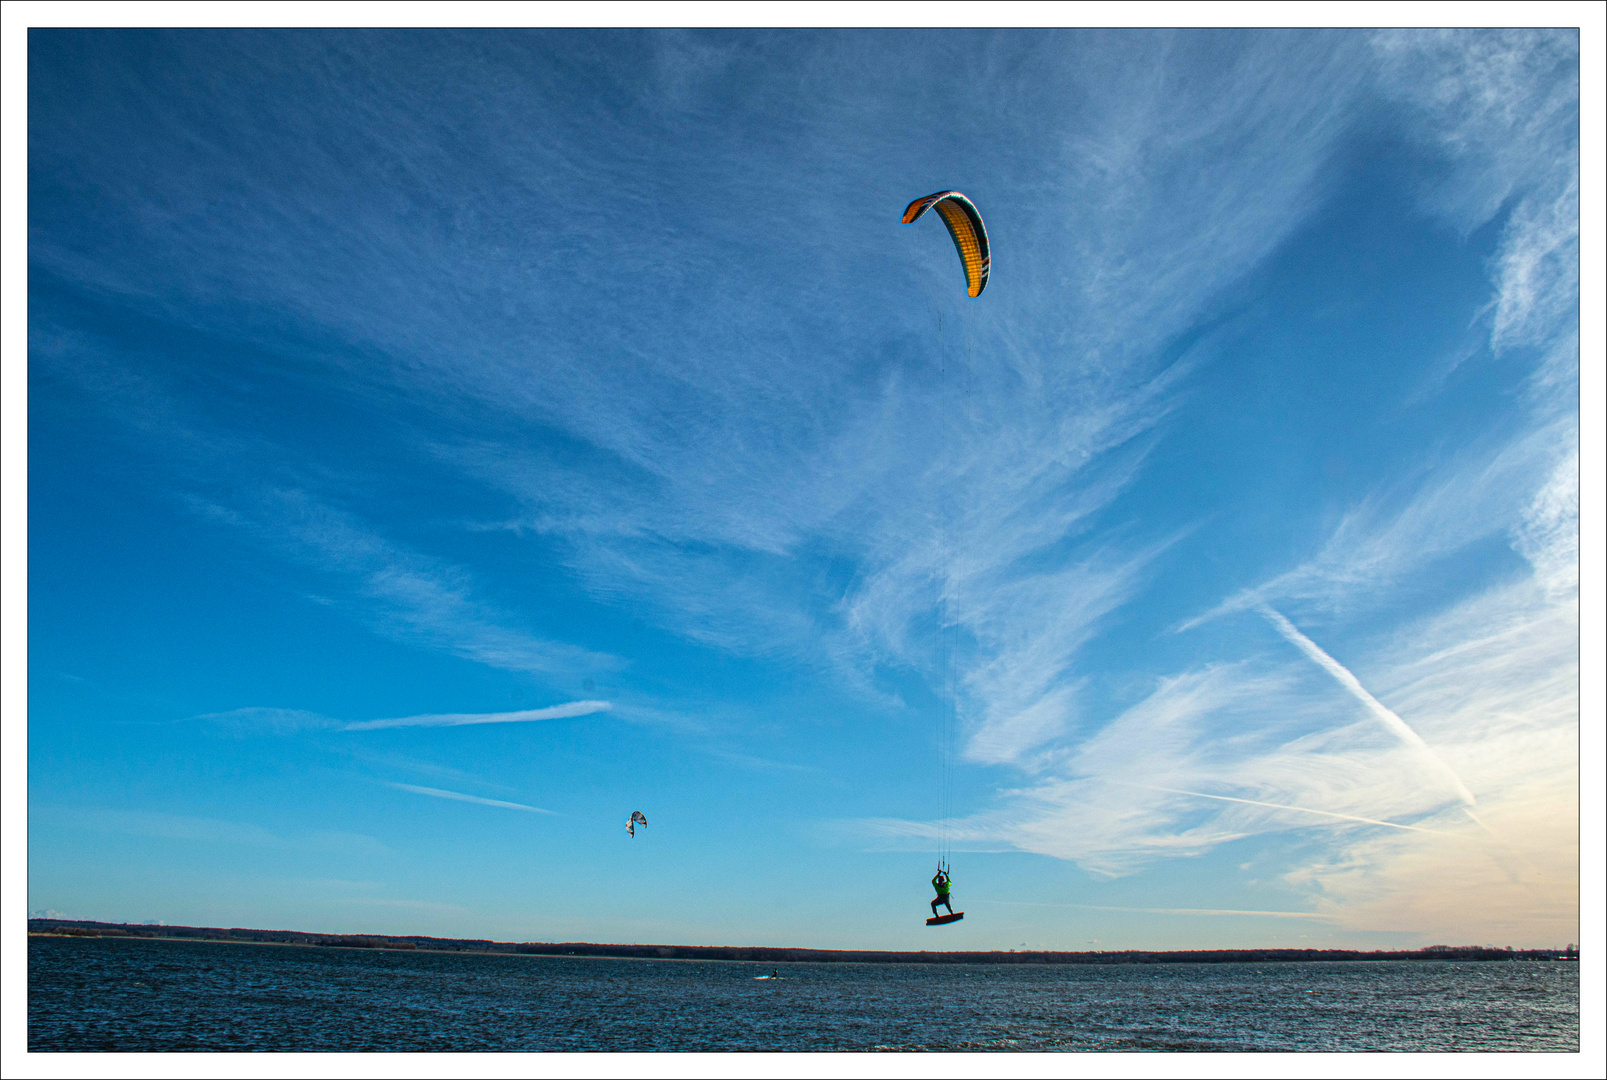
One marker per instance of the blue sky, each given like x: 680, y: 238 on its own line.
x: 441, y: 444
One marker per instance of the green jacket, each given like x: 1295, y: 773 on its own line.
x: 941, y: 884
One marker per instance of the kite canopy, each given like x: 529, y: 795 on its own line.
x: 637, y: 818
x: 965, y: 226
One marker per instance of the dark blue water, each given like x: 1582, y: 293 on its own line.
x: 105, y: 994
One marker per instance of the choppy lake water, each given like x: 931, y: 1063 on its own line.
x: 130, y: 995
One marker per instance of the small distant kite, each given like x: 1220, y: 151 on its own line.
x: 965, y: 226
x: 637, y: 818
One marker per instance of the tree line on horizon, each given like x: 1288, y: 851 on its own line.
x: 82, y: 928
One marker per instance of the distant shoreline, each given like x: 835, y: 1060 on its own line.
x: 759, y: 953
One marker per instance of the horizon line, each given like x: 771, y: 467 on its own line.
x: 152, y: 930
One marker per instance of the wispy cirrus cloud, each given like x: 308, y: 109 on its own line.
x: 1266, y: 756
x: 1488, y: 684
x: 247, y: 481
x: 1518, y: 489
x: 1028, y: 632
x: 1487, y: 687
x: 688, y: 479
x: 1145, y: 787
x: 1504, y: 107
x: 404, y: 594
x: 1547, y: 535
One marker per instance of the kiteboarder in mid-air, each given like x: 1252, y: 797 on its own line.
x: 941, y: 884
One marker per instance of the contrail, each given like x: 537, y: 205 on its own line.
x: 1209, y: 911
x: 438, y: 793
x: 1165, y: 910
x: 553, y: 712
x: 1299, y: 809
x: 1343, y: 676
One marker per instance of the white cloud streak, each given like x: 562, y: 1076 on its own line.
x: 1386, y: 715
x: 1206, y: 912
x: 187, y: 828
x: 439, y: 793
x: 552, y: 712
x: 1221, y: 912
x: 268, y: 721
x: 1298, y: 810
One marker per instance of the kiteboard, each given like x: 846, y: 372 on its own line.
x: 939, y: 920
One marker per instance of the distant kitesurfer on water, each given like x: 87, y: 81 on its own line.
x: 941, y: 884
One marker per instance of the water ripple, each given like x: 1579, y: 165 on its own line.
x: 132, y: 995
